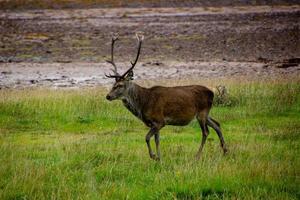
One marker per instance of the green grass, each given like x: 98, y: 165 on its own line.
x: 76, y: 145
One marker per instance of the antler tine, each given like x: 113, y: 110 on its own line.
x: 114, y: 38
x: 140, y: 38
x: 112, y: 76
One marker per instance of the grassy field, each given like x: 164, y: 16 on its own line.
x: 73, y: 144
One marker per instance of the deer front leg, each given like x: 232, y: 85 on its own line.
x: 148, y: 137
x: 157, y: 145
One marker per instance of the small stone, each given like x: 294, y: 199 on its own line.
x: 6, y: 72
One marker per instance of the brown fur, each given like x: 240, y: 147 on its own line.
x: 172, y: 105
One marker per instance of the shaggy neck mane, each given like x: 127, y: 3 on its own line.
x: 135, y: 99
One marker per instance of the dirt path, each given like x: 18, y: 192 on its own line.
x: 75, y: 75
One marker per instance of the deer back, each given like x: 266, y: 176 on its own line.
x: 168, y: 105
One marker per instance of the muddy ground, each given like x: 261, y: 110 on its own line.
x: 67, y: 48
x: 76, y: 75
x: 84, y: 4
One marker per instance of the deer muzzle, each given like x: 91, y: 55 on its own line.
x: 109, y: 98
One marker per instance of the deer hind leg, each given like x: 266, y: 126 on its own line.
x: 216, y: 126
x: 204, y: 129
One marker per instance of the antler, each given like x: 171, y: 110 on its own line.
x: 114, y: 38
x: 140, y: 38
x: 129, y: 72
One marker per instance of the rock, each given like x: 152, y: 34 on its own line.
x: 6, y: 72
x: 292, y: 60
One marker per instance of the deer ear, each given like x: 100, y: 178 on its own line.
x: 129, y: 76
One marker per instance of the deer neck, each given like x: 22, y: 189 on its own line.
x: 135, y: 99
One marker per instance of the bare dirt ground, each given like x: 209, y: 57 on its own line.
x: 84, y: 4
x: 67, y: 48
x: 75, y: 75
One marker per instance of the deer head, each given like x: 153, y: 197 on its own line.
x: 122, y: 82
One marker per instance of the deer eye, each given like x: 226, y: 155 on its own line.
x: 119, y: 86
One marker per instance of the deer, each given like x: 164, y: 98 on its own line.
x: 159, y: 106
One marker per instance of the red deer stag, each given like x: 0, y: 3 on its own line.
x: 159, y: 106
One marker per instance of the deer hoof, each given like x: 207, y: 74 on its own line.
x: 157, y: 158
x: 225, y: 151
x: 154, y: 157
x: 197, y: 156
